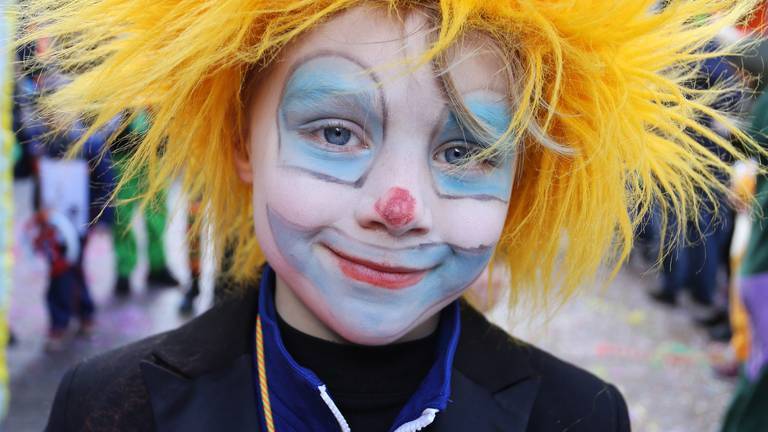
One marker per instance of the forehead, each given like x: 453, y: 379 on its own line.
x: 389, y: 44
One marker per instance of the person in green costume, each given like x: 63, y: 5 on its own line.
x: 748, y: 411
x: 155, y: 217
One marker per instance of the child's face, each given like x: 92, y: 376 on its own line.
x: 360, y: 204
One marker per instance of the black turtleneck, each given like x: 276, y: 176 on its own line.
x: 369, y: 384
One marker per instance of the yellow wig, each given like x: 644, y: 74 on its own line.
x: 605, y: 80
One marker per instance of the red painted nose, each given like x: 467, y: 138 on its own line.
x: 396, y: 207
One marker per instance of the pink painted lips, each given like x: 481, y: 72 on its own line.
x: 376, y: 274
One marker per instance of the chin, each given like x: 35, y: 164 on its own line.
x: 376, y: 337
x: 349, y: 325
x: 399, y: 324
x: 359, y: 322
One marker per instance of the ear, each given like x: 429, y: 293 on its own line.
x: 243, y: 166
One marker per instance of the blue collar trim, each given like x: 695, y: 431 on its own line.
x: 294, y: 391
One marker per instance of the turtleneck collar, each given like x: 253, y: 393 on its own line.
x: 300, y: 401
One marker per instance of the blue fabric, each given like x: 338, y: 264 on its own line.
x: 716, y: 71
x: 59, y: 299
x: 68, y: 294
x: 102, y: 180
x: 27, y: 125
x: 293, y: 390
x: 696, y: 260
x: 32, y: 131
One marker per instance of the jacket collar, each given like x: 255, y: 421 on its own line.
x: 200, y: 376
x: 474, y: 408
x: 494, y: 383
x: 289, y: 381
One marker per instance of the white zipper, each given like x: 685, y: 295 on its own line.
x: 426, y: 419
x: 334, y: 409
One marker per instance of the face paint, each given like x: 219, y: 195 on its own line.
x: 329, y: 119
x: 375, y: 290
x: 371, y: 230
x: 456, y: 142
x: 396, y: 207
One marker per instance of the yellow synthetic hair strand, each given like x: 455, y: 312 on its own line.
x: 603, y: 121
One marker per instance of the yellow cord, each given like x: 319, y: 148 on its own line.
x: 263, y: 377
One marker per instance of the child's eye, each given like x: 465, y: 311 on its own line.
x: 337, y: 135
x: 459, y: 154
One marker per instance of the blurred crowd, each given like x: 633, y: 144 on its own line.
x: 74, y: 198
x: 725, y: 280
x: 719, y: 263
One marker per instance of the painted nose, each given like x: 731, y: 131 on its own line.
x: 397, y: 207
x: 397, y: 211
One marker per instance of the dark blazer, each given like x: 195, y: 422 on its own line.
x: 198, y: 378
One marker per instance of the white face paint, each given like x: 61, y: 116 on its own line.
x: 360, y: 204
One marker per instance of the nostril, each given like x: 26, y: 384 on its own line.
x: 397, y: 207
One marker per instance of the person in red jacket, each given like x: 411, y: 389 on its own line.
x: 54, y: 236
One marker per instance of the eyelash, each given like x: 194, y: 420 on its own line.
x: 485, y: 165
x: 315, y: 130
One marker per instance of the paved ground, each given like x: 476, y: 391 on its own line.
x: 655, y: 355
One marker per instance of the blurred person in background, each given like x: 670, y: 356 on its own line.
x: 86, y: 207
x: 55, y: 237
x: 697, y: 258
x: 225, y: 286
x: 155, y: 217
x: 25, y: 71
x: 752, y: 65
x: 749, y: 409
x: 187, y: 305
x: 23, y: 89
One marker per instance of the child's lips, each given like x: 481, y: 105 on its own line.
x: 377, y: 274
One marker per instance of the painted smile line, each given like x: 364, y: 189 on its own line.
x: 377, y: 274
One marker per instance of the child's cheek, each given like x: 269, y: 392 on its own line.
x: 469, y: 223
x: 307, y: 201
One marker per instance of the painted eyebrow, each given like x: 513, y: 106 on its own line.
x: 368, y: 69
x: 325, y: 99
x: 494, y: 114
x: 488, y: 114
x: 319, y: 100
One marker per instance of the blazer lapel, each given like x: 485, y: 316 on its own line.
x: 219, y: 400
x: 474, y: 408
x: 200, y: 378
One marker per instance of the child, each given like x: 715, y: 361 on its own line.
x: 155, y: 218
x: 56, y: 238
x: 365, y: 161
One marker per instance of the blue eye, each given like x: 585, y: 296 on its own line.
x: 456, y: 154
x: 460, y: 154
x: 337, y: 135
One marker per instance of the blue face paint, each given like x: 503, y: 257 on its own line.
x: 372, y: 310
x: 455, y: 141
x: 330, y: 119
